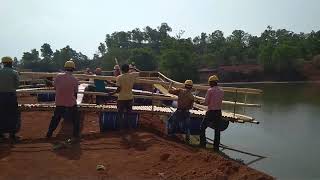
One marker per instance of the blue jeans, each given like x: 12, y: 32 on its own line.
x: 179, y: 122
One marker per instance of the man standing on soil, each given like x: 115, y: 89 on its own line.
x: 10, y: 115
x: 125, y: 84
x: 213, y: 100
x: 182, y: 114
x: 66, y: 86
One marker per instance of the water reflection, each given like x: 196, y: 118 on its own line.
x: 288, y: 132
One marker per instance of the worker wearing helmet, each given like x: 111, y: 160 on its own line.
x: 10, y: 115
x: 66, y: 86
x: 124, y: 85
x: 182, y: 114
x: 213, y: 100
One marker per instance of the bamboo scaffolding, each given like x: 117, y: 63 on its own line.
x: 136, y: 96
x: 138, y: 109
x: 165, y: 91
x: 145, y: 81
x: 204, y: 87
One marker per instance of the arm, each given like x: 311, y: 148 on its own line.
x: 136, y: 74
x: 16, y: 81
x: 55, y: 82
x: 76, y: 88
x: 111, y: 83
x: 174, y: 91
x: 193, y: 99
x: 208, y: 96
x: 118, y: 87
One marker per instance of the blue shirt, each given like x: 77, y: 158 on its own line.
x: 100, y: 85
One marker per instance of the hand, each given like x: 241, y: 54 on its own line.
x: 170, y: 86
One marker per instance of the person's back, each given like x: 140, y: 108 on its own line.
x: 185, y: 98
x: 10, y: 115
x: 9, y: 80
x: 66, y: 86
x: 214, y: 98
x: 125, y: 82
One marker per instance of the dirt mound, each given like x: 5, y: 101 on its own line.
x: 138, y: 154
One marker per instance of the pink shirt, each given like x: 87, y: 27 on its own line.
x: 66, y: 86
x: 214, y: 98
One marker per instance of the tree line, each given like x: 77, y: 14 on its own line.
x: 282, y: 53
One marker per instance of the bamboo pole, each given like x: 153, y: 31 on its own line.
x: 146, y: 81
x: 144, y: 94
x: 139, y: 109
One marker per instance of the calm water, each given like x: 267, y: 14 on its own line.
x: 288, y: 134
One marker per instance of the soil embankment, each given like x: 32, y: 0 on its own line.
x: 139, y: 154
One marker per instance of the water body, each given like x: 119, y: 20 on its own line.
x: 288, y: 134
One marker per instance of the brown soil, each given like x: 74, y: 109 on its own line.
x: 141, y: 154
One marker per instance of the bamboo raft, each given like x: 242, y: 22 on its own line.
x: 157, y: 80
x: 37, y: 75
x: 157, y: 110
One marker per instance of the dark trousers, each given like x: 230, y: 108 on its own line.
x: 212, y: 119
x: 67, y: 113
x: 10, y: 120
x: 124, y: 108
x: 180, y: 121
x: 100, y: 100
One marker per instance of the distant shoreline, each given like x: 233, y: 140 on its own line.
x: 272, y: 82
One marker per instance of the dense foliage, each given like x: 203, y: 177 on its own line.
x: 280, y: 52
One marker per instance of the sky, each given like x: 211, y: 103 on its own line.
x: 83, y: 24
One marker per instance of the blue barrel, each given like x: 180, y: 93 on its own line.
x: 46, y: 97
x: 108, y: 121
x: 181, y: 127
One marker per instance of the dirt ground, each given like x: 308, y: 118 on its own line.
x: 140, y: 154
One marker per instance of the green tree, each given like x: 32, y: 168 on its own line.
x: 30, y: 60
x: 144, y: 59
x: 179, y: 65
x: 102, y: 49
x: 46, y: 51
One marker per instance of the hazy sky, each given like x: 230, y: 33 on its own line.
x: 82, y: 24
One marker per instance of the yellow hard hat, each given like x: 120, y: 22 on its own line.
x: 188, y: 83
x: 69, y: 64
x: 6, y: 59
x: 213, y: 78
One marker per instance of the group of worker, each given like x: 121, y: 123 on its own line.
x: 213, y: 100
x: 66, y: 87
